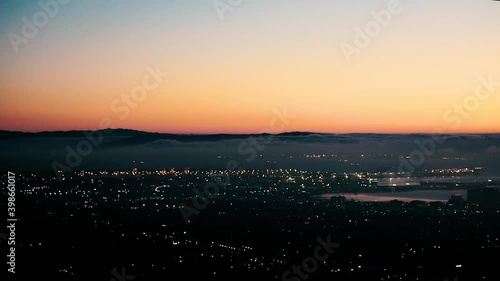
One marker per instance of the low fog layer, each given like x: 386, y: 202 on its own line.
x: 124, y: 149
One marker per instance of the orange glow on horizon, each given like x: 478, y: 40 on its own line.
x: 229, y: 77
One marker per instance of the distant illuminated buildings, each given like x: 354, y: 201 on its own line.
x: 373, y: 183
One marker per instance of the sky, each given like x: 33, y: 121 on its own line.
x: 231, y: 68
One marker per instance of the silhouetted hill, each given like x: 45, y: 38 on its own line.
x: 128, y: 136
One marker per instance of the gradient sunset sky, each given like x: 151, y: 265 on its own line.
x: 227, y: 76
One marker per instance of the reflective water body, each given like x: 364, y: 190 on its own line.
x: 416, y: 180
x: 406, y: 196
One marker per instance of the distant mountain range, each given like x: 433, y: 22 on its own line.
x: 198, y: 137
x: 135, y: 133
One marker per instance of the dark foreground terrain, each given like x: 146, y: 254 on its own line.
x: 95, y: 227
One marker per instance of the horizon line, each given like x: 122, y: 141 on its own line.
x: 254, y: 133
